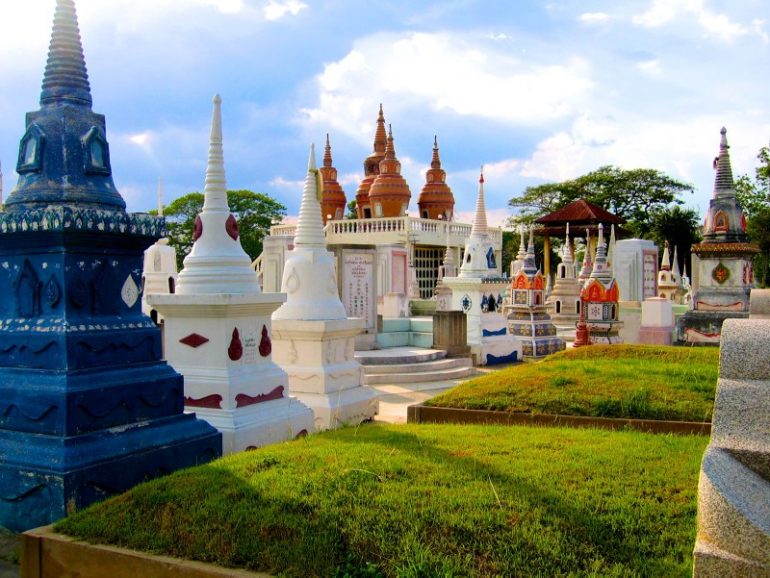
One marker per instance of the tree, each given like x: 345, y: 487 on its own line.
x: 255, y: 213
x: 680, y: 227
x: 632, y: 194
x: 754, y: 198
x: 351, y: 214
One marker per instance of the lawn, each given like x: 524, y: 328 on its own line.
x: 383, y: 500
x: 629, y: 381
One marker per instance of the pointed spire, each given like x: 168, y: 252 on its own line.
x: 310, y: 231
x: 522, y: 244
x: 723, y: 182
x: 602, y: 269
x: 675, y: 268
x: 66, y: 78
x: 390, y: 149
x: 665, y: 262
x: 380, y: 137
x: 530, y: 267
x: 217, y: 262
x: 449, y: 268
x: 611, y: 246
x: 479, y: 227
x: 566, y: 251
x: 585, y: 271
x: 327, y: 153
x: 160, y: 196
x: 435, y: 162
x: 215, y: 189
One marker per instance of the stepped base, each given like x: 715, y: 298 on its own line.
x: 260, y: 424
x: 44, y: 478
x: 345, y: 407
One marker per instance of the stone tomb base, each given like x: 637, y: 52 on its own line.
x: 259, y: 425
x: 704, y: 327
x: 497, y: 345
x: 319, y: 358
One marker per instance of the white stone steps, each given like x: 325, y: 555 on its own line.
x: 419, y: 376
x: 432, y: 366
x: 398, y: 355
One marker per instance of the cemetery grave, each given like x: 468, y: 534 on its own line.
x: 622, y: 381
x: 383, y: 500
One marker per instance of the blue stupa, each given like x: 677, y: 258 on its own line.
x: 87, y: 406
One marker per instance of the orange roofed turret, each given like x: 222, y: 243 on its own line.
x: 371, y: 169
x: 436, y: 199
x: 333, y: 198
x: 390, y: 194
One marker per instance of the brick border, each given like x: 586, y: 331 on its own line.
x: 422, y: 414
x: 46, y: 554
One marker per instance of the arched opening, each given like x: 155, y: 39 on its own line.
x: 171, y: 285
x: 558, y: 306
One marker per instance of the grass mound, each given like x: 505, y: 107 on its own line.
x: 425, y: 501
x: 629, y: 381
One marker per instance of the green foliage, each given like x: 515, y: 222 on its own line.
x: 632, y: 194
x: 680, y: 227
x: 425, y: 501
x: 351, y: 214
x: 255, y: 212
x: 754, y: 198
x: 604, y: 381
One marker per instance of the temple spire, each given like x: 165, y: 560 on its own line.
x: 310, y: 224
x: 479, y: 227
x: 66, y: 78
x: 215, y: 189
x: 327, y: 153
x: 380, y: 136
x: 723, y: 182
x: 160, y: 196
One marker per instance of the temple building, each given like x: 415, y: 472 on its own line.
x: 563, y: 302
x: 389, y: 194
x: 436, y: 200
x: 528, y: 320
x: 333, y: 200
x: 385, y: 254
x: 600, y: 299
x: 159, y: 273
x: 722, y: 264
x: 371, y: 169
x: 88, y: 407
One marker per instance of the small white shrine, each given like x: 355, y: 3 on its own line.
x: 313, y: 337
x: 159, y: 274
x: 478, y: 291
x: 218, y: 328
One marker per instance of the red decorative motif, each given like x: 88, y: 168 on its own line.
x: 194, y: 340
x: 213, y: 401
x: 231, y: 226
x: 242, y: 400
x: 235, y: 351
x: 197, y: 229
x: 265, y: 347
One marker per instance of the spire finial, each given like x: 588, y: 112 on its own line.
x: 160, y: 196
x: 380, y: 136
x: 723, y: 182
x: 310, y: 223
x: 215, y: 190
x: 327, y: 153
x: 479, y: 227
x: 65, y: 78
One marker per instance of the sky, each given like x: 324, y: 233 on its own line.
x: 535, y: 91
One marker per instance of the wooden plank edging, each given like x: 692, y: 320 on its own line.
x: 46, y: 554
x: 420, y: 413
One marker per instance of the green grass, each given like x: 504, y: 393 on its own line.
x: 631, y: 381
x: 425, y: 501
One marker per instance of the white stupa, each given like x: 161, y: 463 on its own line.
x: 478, y: 291
x: 159, y: 275
x: 218, y: 328
x: 314, y: 339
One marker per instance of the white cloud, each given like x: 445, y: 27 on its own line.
x: 275, y: 10
x: 594, y: 17
x: 500, y: 36
x: 142, y: 139
x: 225, y: 6
x: 283, y: 183
x: 495, y: 217
x: 758, y: 27
x: 447, y: 73
x: 715, y: 25
x: 651, y: 67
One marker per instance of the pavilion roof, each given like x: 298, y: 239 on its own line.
x: 580, y: 212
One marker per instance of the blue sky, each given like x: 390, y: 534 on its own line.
x: 536, y: 91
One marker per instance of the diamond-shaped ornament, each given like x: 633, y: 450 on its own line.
x: 130, y: 291
x: 194, y: 340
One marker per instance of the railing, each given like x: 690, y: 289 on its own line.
x: 393, y: 230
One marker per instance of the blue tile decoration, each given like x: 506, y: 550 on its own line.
x: 88, y: 408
